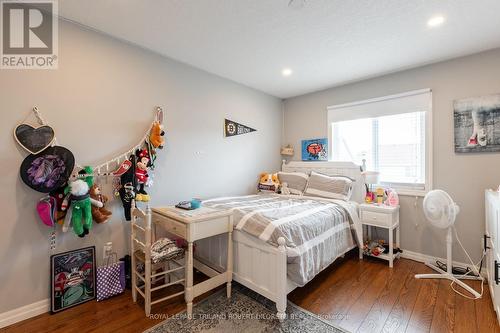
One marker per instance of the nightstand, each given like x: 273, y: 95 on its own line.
x: 194, y: 225
x: 381, y: 216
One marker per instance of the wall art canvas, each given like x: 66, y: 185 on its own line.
x: 232, y: 128
x: 477, y: 124
x: 72, y: 278
x: 315, y: 150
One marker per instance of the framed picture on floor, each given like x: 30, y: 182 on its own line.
x: 477, y: 124
x: 73, y: 276
x: 315, y: 150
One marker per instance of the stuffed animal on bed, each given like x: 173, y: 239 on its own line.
x: 268, y: 182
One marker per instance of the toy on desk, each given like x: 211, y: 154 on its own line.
x: 380, y: 196
x: 189, y: 205
x: 392, y: 198
x: 369, y: 197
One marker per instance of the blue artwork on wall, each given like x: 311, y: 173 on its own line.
x: 315, y: 150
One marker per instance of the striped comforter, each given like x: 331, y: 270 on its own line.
x: 316, y: 230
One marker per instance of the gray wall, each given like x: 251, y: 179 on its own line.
x: 465, y: 176
x: 100, y: 102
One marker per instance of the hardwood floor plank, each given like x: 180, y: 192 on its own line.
x: 374, y: 292
x: 337, y: 300
x: 375, y: 298
x: 443, y: 319
x: 421, y: 317
x: 401, y: 311
x: 379, y: 312
x: 486, y: 318
x: 465, y: 315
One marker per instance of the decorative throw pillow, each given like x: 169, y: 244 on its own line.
x: 296, y: 181
x: 333, y: 187
x: 268, y: 182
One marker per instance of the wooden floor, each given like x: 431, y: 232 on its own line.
x: 360, y: 296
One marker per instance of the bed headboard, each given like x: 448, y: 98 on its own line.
x: 331, y: 168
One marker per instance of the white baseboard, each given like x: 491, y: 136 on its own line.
x: 24, y: 312
x: 430, y: 259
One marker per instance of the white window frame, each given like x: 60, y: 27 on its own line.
x: 428, y: 137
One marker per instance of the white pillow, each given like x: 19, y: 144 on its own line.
x: 333, y: 187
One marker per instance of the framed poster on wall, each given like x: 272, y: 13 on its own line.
x: 315, y: 150
x: 73, y: 277
x: 477, y: 124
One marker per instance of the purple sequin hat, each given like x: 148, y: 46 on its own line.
x: 48, y: 170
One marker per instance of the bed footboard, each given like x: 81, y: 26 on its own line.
x: 257, y: 265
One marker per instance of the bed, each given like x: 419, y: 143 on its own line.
x: 281, y: 242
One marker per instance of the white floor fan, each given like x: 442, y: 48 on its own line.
x: 441, y: 212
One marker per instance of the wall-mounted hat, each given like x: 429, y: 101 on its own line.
x: 48, y: 170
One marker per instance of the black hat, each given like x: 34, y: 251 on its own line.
x: 48, y: 170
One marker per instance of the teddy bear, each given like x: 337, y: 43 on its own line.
x: 268, y: 182
x: 141, y: 174
x: 99, y: 214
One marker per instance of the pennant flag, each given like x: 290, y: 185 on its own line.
x: 232, y: 128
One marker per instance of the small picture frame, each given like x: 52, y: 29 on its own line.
x: 315, y: 150
x: 73, y: 278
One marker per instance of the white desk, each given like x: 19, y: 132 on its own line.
x: 194, y: 225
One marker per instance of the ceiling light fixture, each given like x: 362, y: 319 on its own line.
x: 286, y: 72
x: 435, y: 21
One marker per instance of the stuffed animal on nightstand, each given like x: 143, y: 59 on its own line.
x: 268, y: 182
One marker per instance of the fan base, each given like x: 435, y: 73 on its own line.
x: 445, y: 275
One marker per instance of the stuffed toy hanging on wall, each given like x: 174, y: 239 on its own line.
x: 79, y: 203
x: 99, y: 214
x: 141, y: 174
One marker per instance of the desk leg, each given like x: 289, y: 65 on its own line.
x: 189, y: 280
x: 229, y: 271
x: 391, y: 247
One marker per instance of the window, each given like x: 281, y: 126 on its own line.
x: 390, y: 139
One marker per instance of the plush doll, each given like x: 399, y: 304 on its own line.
x: 156, y: 135
x: 58, y: 195
x: 284, y: 189
x: 141, y: 174
x: 99, y: 214
x: 79, y: 202
x: 127, y: 194
x: 268, y: 182
x: 126, y: 189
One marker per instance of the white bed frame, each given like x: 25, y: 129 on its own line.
x: 260, y: 266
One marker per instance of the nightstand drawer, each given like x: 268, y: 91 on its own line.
x: 170, y: 225
x: 376, y: 218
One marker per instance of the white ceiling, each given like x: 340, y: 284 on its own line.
x: 325, y: 42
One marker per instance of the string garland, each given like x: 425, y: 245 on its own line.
x: 121, y: 157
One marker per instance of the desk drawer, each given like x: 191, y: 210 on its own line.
x: 171, y: 225
x: 384, y: 220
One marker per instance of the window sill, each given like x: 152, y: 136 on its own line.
x: 411, y: 193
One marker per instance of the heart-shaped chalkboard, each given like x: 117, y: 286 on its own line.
x: 34, y: 139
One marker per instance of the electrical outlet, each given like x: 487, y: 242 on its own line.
x: 106, y: 250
